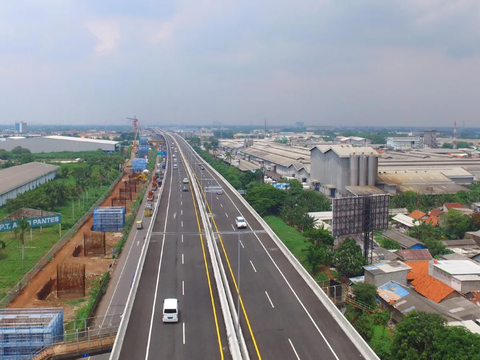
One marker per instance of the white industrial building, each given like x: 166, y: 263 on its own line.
x: 18, y: 179
x: 403, y: 143
x: 334, y: 167
x: 55, y: 143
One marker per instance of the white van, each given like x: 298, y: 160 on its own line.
x: 170, y: 310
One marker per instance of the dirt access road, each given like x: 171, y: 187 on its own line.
x: 94, y: 267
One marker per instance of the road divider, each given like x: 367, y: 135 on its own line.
x: 230, y: 319
x: 348, y: 328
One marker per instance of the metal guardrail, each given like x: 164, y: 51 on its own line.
x: 348, y: 328
x: 13, y: 293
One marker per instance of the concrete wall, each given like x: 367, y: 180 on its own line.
x: 442, y: 276
x: 38, y: 145
x: 12, y: 194
x: 469, y: 286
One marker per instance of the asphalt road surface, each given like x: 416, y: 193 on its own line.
x: 280, y: 315
x: 177, y: 265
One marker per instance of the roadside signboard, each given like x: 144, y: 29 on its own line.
x: 34, y: 222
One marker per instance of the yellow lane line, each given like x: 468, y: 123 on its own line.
x: 231, y: 272
x: 208, y: 274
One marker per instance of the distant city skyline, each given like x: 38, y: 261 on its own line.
x: 325, y: 62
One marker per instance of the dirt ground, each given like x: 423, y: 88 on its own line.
x: 94, y: 267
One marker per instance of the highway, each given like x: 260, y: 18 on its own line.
x: 281, y: 317
x: 176, y: 265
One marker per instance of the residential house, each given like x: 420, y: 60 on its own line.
x: 405, y: 221
x: 405, y: 241
x: 418, y: 215
x: 461, y: 275
x: 381, y: 273
x: 449, y: 206
x: 414, y: 255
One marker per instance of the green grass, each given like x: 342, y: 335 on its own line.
x: 290, y: 236
x: 320, y: 277
x: 11, y: 271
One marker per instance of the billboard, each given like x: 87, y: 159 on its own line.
x: 360, y: 214
x: 35, y: 222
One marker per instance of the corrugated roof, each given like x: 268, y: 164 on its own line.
x: 453, y: 206
x: 347, y: 150
x: 405, y: 220
x: 436, y: 212
x: 461, y: 242
x: 71, y: 138
x: 417, y: 214
x: 402, y: 239
x: 432, y: 220
x: 425, y: 284
x: 458, y: 267
x: 414, y: 254
x: 16, y: 176
x: 432, y: 189
x: 413, y: 178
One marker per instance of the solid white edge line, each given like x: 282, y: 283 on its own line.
x: 253, y: 266
x: 283, y: 276
x: 268, y: 297
x: 293, y: 348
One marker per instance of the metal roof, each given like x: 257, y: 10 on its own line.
x: 458, y: 267
x: 346, y: 150
x: 364, y: 190
x: 71, y: 138
x: 405, y: 220
x: 404, y: 177
x: 16, y: 176
x: 401, y: 238
x: 432, y: 188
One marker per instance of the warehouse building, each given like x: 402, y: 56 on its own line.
x: 18, y: 179
x: 55, y: 143
x: 403, y: 143
x: 335, y: 167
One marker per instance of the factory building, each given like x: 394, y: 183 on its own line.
x: 335, y: 167
x: 18, y: 179
x: 56, y: 143
x: 403, y: 143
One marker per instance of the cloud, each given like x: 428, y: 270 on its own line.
x: 107, y: 33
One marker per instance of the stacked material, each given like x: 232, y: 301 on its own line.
x: 139, y: 164
x: 109, y: 218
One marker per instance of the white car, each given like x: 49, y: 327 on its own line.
x: 185, y: 180
x: 240, y: 222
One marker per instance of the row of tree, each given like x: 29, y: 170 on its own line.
x: 425, y: 202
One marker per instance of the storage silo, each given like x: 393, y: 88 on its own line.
x: 372, y: 170
x: 362, y: 179
x: 353, y: 170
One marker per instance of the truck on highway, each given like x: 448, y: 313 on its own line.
x: 150, y: 196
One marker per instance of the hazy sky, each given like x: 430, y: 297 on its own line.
x: 407, y: 62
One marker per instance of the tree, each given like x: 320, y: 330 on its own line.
x: 456, y: 342
x: 315, y: 256
x: 266, y: 199
x: 475, y: 221
x: 64, y: 172
x: 365, y: 327
x: 19, y: 231
x: 348, y: 258
x: 456, y: 224
x: 413, y: 338
x: 306, y: 222
x: 436, y: 247
x: 26, y: 158
x: 365, y: 294
x: 315, y: 201
x: 426, y: 231
x: 195, y: 141
x: 4, y: 154
x: 319, y: 237
x: 229, y: 157
x: 18, y: 150
x: 447, y: 146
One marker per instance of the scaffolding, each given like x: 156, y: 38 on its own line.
x: 24, y: 331
x: 139, y: 164
x: 108, y: 218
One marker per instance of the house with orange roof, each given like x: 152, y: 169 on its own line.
x: 432, y: 220
x: 449, y: 206
x: 418, y: 215
x: 436, y: 212
x: 427, y: 285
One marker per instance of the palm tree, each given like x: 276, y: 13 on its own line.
x: 22, y: 227
x: 229, y: 157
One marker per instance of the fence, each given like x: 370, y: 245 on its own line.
x: 70, y: 279
x: 12, y: 294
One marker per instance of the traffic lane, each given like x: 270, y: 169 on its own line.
x: 136, y: 337
x: 314, y: 307
x: 326, y: 324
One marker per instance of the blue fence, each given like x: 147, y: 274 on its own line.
x: 109, y: 218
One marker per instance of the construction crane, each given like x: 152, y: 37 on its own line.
x: 134, y: 121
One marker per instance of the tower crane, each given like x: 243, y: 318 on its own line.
x: 134, y: 121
